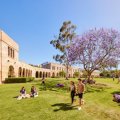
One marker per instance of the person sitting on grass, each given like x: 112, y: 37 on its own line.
x: 34, y: 92
x: 72, y: 90
x: 22, y: 94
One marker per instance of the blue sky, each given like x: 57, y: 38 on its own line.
x: 33, y: 23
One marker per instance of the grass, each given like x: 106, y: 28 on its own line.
x: 54, y: 103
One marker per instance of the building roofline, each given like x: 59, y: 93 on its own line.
x: 2, y: 31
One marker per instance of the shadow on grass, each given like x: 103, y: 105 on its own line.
x: 15, y: 97
x: 63, y: 106
x: 116, y: 92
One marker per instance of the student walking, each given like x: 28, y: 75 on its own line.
x: 80, y: 91
x: 72, y: 91
x: 43, y: 81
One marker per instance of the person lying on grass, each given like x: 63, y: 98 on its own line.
x: 60, y: 85
x: 34, y: 92
x: 116, y: 97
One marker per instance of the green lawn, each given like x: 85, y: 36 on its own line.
x: 54, y: 103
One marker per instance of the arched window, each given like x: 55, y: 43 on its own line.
x: 46, y: 75
x: 49, y: 74
x: 36, y: 75
x: 40, y: 74
x: 53, y: 74
x: 11, y: 71
x: 20, y: 72
x: 43, y: 74
x: 8, y: 51
x: 26, y: 72
x: 23, y: 72
x: 11, y: 52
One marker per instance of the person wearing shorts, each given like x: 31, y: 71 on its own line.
x: 80, y: 91
x: 80, y: 95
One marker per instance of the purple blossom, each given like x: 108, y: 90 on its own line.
x: 96, y: 49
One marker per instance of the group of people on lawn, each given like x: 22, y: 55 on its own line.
x: 77, y: 90
x: 23, y: 94
x: 33, y: 92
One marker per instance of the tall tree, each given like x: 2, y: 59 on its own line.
x: 96, y: 49
x: 62, y: 43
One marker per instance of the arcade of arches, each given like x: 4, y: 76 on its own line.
x: 42, y: 74
x: 22, y: 72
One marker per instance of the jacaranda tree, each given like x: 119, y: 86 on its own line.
x: 96, y: 49
x: 62, y: 42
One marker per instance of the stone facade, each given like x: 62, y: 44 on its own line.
x: 7, y: 57
x: 56, y: 68
x: 10, y: 66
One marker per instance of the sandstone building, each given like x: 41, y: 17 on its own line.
x: 10, y: 66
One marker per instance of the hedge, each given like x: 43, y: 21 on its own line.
x: 29, y: 79
x: 19, y: 80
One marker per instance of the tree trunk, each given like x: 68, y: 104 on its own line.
x: 66, y: 73
x: 89, y: 75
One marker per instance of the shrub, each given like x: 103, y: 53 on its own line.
x: 76, y: 74
x: 19, y: 80
x: 57, y: 77
x: 101, y: 75
x: 52, y: 76
x: 29, y: 79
